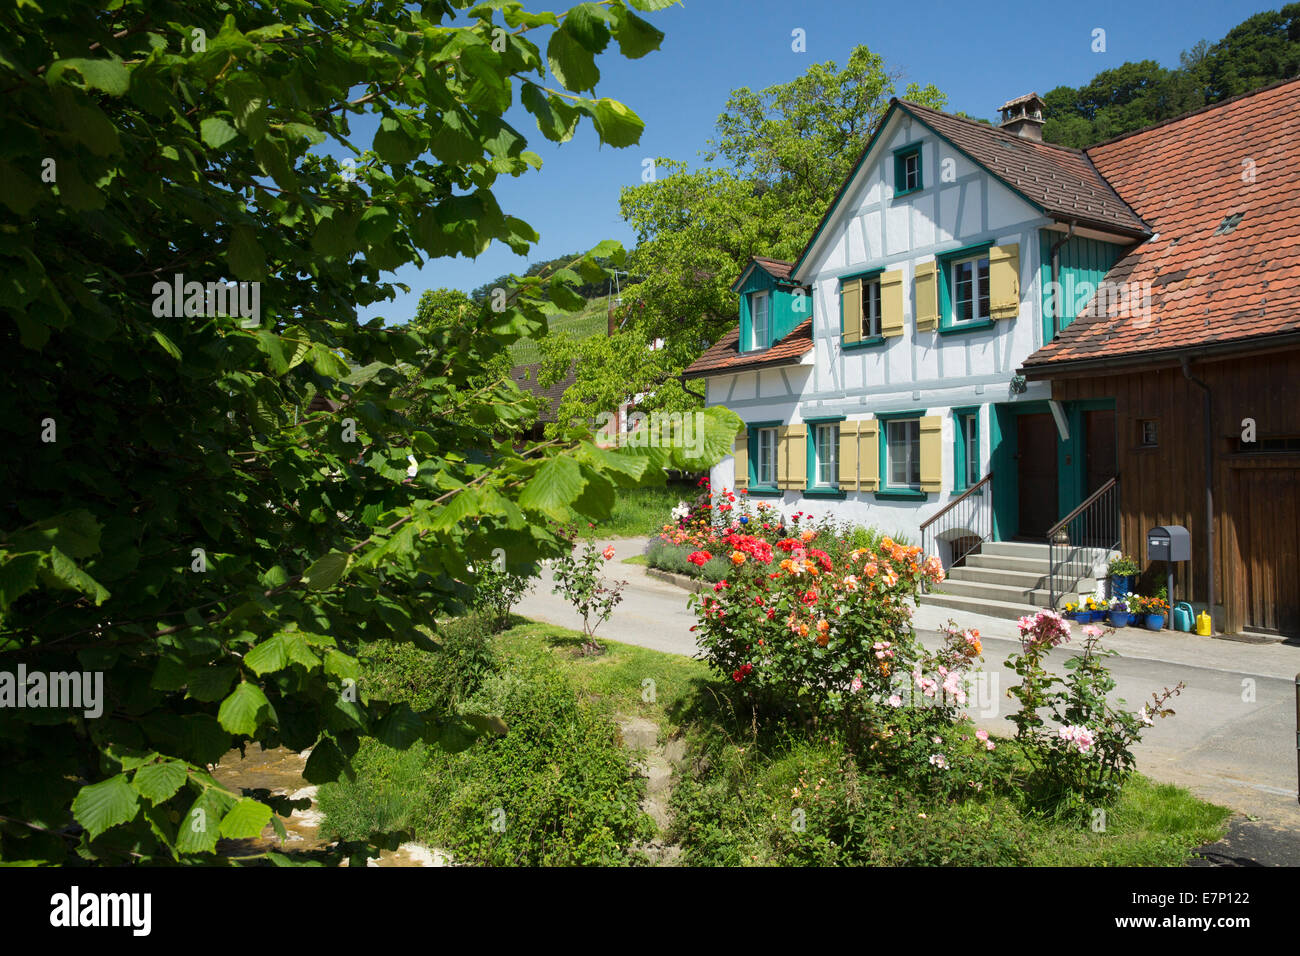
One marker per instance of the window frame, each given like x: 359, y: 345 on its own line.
x: 814, y: 486
x: 946, y: 261
x: 1142, y: 432
x: 962, y: 458
x: 754, y: 440
x: 868, y: 335
x: 864, y: 279
x: 755, y: 297
x: 901, y: 157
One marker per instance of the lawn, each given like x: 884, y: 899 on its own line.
x: 590, y: 320
x: 642, y: 512
x: 746, y: 793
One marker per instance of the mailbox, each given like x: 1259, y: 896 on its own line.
x: 1169, y: 543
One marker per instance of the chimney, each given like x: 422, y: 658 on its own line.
x: 1024, y: 116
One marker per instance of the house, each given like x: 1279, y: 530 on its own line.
x: 548, y: 397
x: 1205, y: 383
x: 878, y: 374
x: 1009, y: 351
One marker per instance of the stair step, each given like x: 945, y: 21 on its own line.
x: 1025, y: 580
x: 1003, y: 609
x: 1015, y: 549
x: 1008, y: 563
x: 1010, y: 594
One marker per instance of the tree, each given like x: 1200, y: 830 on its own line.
x: 779, y: 157
x: 176, y: 519
x: 1258, y: 51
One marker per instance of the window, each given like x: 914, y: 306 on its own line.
x: 871, y: 309
x: 1270, y: 445
x: 1149, y: 433
x: 765, y: 459
x: 826, y: 451
x: 903, y: 453
x: 968, y: 449
x: 969, y: 289
x: 760, y: 304
x: 907, y: 170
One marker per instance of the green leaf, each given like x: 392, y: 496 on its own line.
x: 217, y: 132
x: 245, y: 820
x: 61, y: 573
x: 21, y: 192
x: 268, y: 657
x: 635, y: 36
x: 325, y: 764
x: 651, y: 6
x: 244, y: 255
x: 158, y: 782
x: 201, y: 826
x: 210, y: 683
x: 111, y: 76
x: 341, y: 665
x: 400, y: 727
x: 617, y: 125
x: 100, y: 806
x: 394, y: 144
x: 326, y: 570
x: 17, y: 576
x: 555, y: 118
x: 168, y: 345
x: 272, y: 347
x: 571, y: 62
x: 244, y: 710
x: 554, y: 487
x: 588, y: 24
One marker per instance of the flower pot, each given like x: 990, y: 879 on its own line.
x: 1155, y: 622
x: 1119, y: 618
x: 1121, y: 584
x: 1096, y: 616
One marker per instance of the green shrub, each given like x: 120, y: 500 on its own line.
x: 496, y: 592
x: 440, y: 680
x: 667, y: 556
x: 556, y: 789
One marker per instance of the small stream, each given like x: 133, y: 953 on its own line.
x: 280, y: 771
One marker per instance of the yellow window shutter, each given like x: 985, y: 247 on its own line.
x: 741, y: 454
x: 848, y: 464
x: 891, y: 303
x: 791, y: 456
x: 851, y: 311
x: 869, y: 454
x: 932, y: 453
x: 927, y: 296
x: 1004, y: 281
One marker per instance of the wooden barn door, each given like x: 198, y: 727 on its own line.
x: 1268, y: 533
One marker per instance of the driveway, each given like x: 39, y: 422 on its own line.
x: 1232, y: 741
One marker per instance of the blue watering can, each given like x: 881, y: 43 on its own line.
x: 1183, y: 617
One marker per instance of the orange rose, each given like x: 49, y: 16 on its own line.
x: 737, y: 558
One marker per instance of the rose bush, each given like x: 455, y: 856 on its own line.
x: 1084, y: 759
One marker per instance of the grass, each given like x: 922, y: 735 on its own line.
x: 636, y: 559
x: 642, y: 512
x: 734, y: 795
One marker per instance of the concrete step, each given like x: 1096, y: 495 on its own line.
x: 1008, y: 562
x: 1009, y: 594
x: 1025, y: 580
x: 1004, y: 609
x: 1015, y: 549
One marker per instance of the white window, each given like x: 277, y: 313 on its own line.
x: 871, y: 309
x: 759, y: 305
x: 970, y: 289
x: 765, y: 460
x: 827, y: 451
x: 911, y: 169
x: 903, y: 451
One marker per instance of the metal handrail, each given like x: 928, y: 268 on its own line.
x: 1093, y: 525
x: 956, y: 501
x: 976, y: 519
x: 1083, y: 507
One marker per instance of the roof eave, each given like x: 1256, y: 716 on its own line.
x: 1264, y: 343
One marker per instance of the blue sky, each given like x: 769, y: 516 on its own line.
x: 978, y: 57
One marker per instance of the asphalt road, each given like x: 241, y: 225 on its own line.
x: 1232, y: 741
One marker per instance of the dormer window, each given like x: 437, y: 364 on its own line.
x: 907, y: 170
x: 760, y: 304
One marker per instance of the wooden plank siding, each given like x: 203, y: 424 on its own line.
x: 1256, y: 495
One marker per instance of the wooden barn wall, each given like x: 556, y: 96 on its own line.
x: 1257, y: 521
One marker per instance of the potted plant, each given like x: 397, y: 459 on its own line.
x: 1077, y: 612
x: 1120, y: 613
x: 1096, y: 609
x: 1122, y: 571
x: 1153, y: 609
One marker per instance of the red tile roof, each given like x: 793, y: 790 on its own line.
x: 1212, y: 283
x: 776, y: 268
x: 1060, y: 180
x: 724, y: 356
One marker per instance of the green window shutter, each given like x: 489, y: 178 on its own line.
x: 891, y: 303
x: 741, y: 453
x: 931, y: 453
x: 927, y: 296
x: 1004, y: 281
x: 851, y: 310
x: 869, y: 454
x: 848, y: 463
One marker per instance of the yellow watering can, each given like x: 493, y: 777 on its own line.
x: 1204, y: 624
